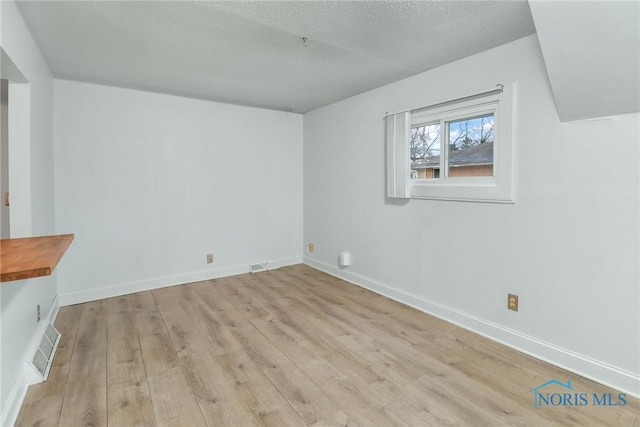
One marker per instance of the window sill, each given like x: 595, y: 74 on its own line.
x: 484, y: 190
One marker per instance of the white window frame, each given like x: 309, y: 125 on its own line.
x: 499, y: 188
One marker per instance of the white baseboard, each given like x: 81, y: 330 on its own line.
x: 27, y: 375
x: 601, y: 372
x: 14, y: 403
x: 70, y: 298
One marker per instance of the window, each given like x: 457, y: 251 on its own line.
x: 469, y: 145
x: 458, y: 150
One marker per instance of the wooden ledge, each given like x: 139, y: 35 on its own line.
x: 31, y: 256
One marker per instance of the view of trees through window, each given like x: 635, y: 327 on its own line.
x: 425, y: 141
x: 470, y: 147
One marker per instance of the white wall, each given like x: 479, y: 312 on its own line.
x: 569, y: 247
x: 569, y: 33
x: 151, y: 183
x: 4, y: 169
x: 19, y: 299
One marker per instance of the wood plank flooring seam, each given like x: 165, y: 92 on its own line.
x: 265, y: 374
x: 66, y: 379
x: 284, y: 353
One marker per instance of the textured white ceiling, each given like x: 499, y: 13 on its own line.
x: 251, y: 52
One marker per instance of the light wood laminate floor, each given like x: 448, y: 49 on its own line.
x: 289, y: 347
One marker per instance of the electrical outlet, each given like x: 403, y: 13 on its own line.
x: 38, y: 312
x: 512, y: 302
x: 209, y: 258
x: 309, y: 248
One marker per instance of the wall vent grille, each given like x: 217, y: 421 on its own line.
x: 256, y: 268
x: 43, y: 358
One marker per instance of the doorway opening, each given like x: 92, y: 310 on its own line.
x: 15, y: 151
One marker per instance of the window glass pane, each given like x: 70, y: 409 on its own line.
x: 425, y: 151
x: 471, y: 146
